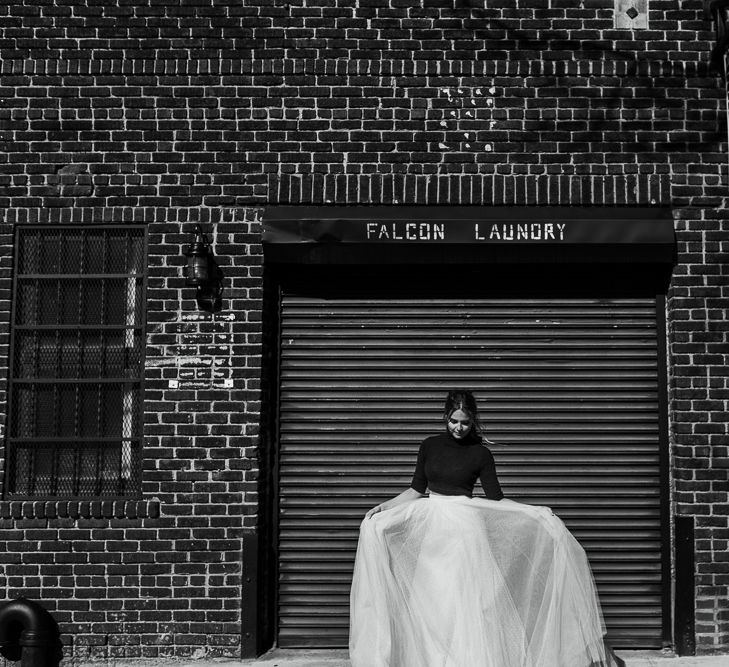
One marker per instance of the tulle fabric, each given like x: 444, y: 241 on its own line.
x: 452, y: 581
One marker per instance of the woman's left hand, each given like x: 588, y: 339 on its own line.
x: 373, y: 511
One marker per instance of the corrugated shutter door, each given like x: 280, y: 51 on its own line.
x: 570, y: 385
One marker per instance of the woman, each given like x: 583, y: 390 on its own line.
x: 449, y: 580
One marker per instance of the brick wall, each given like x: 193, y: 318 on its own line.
x: 698, y: 335
x: 162, y: 576
x: 180, y: 112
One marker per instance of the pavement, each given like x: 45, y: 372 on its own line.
x: 310, y: 658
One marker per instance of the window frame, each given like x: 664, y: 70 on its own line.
x: 134, y: 492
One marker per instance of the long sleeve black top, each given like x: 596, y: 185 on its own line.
x: 450, y: 467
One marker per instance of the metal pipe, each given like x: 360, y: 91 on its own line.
x: 28, y: 633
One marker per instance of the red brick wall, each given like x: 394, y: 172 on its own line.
x: 181, y: 112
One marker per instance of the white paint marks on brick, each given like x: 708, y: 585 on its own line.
x: 194, y: 361
x: 195, y: 317
x: 159, y: 362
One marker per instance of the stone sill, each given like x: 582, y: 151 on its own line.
x: 79, y: 509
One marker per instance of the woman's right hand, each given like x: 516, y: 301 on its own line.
x: 406, y: 496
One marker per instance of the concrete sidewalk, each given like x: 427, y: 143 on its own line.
x: 298, y: 658
x: 281, y: 658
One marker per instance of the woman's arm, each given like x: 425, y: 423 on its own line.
x: 406, y: 496
x: 489, y: 480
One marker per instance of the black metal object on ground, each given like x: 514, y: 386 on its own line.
x: 716, y: 10
x: 685, y: 620
x: 29, y: 633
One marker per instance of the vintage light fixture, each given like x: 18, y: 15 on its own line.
x: 203, y: 273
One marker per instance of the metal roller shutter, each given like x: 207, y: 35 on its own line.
x: 569, y: 385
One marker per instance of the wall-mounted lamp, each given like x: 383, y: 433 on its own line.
x: 204, y: 273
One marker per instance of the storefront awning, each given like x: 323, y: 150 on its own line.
x: 468, y: 234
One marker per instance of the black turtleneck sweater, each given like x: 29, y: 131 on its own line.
x: 450, y: 467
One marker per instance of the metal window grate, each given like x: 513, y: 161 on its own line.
x: 77, y: 362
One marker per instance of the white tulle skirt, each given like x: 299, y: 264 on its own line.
x: 452, y: 581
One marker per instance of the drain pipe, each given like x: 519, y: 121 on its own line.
x: 27, y: 633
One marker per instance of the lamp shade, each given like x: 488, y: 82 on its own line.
x: 198, y: 262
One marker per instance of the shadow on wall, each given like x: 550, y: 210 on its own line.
x: 615, y: 99
x: 602, y: 105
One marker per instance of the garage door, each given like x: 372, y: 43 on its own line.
x: 569, y: 387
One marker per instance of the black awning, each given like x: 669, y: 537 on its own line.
x: 468, y: 235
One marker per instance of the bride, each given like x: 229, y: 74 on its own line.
x: 448, y: 580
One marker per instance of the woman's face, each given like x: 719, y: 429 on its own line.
x: 459, y: 424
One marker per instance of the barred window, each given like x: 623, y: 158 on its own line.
x: 77, y: 362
